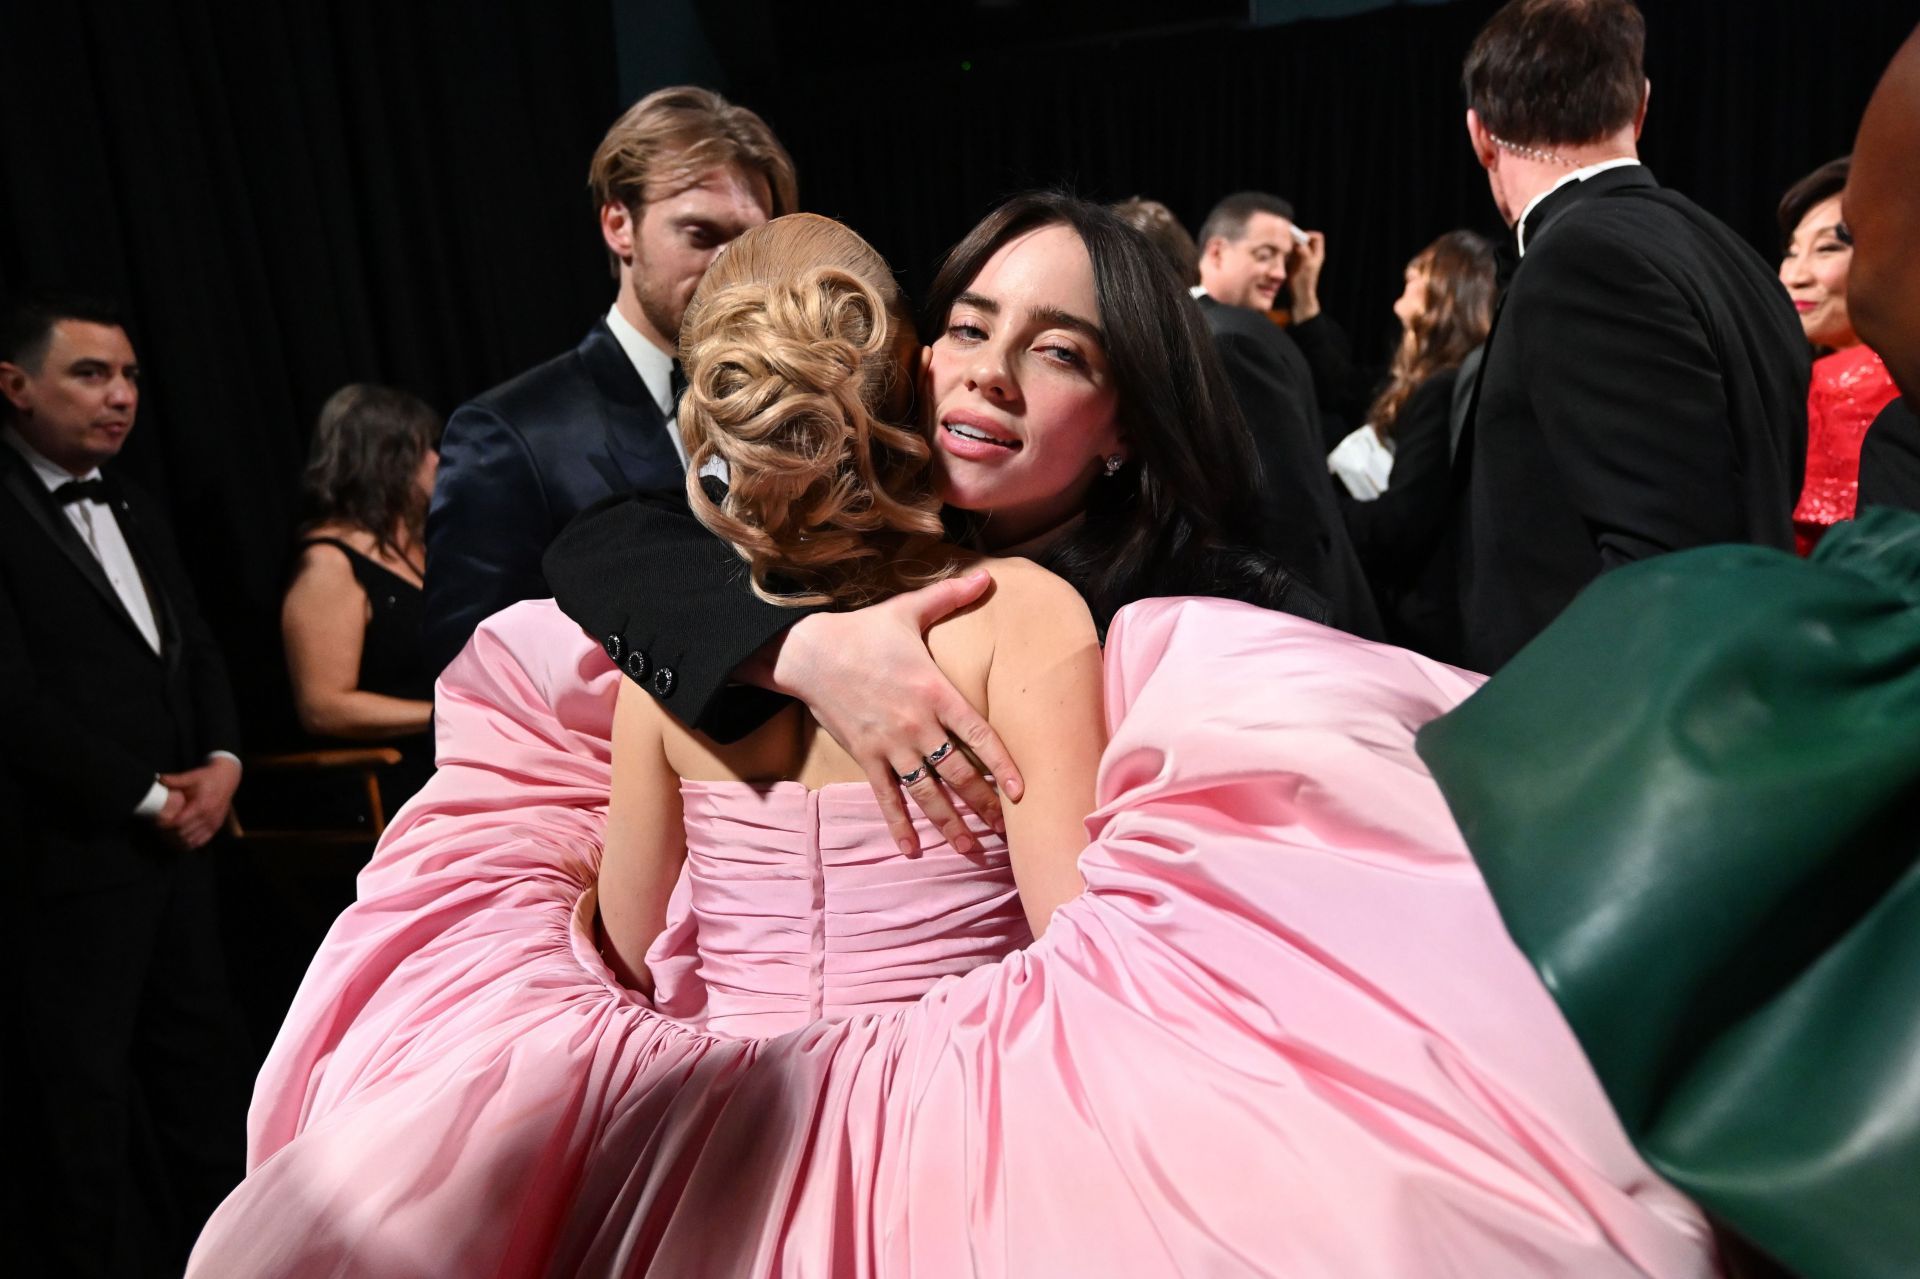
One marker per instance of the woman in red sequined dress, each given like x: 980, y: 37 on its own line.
x: 1850, y: 383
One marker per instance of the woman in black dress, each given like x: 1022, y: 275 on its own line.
x: 1394, y: 473
x: 351, y: 616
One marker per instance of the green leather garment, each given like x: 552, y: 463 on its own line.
x: 1696, y: 799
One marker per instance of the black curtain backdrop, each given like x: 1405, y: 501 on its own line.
x: 292, y: 196
x: 1359, y: 121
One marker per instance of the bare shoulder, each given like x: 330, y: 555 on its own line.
x: 1029, y: 599
x: 323, y: 563
x: 637, y: 717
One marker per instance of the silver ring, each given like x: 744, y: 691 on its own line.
x: 939, y: 753
x: 918, y: 774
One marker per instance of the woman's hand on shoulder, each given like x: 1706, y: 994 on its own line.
x: 868, y: 678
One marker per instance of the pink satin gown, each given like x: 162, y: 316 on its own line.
x: 1282, y: 1032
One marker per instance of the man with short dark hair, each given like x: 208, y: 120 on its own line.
x: 676, y: 177
x: 1244, y: 246
x: 1645, y: 384
x: 118, y: 747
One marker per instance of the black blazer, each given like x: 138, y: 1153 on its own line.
x: 1274, y: 389
x: 1890, y: 459
x: 519, y: 462
x: 1644, y: 390
x: 91, y: 713
x: 672, y: 605
x: 1344, y: 389
x: 1401, y: 536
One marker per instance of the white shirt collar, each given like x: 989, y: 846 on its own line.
x: 654, y: 366
x: 1578, y: 175
x: 51, y: 474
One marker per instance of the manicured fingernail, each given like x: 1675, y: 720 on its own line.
x: 1014, y: 788
x: 908, y: 847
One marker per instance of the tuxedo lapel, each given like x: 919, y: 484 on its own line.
x: 642, y: 456
x: 164, y: 617
x: 39, y: 505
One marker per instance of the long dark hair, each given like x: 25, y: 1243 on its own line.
x: 367, y: 448
x: 1180, y: 516
x: 1458, y: 313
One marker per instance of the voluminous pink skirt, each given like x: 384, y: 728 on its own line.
x: 1282, y: 1033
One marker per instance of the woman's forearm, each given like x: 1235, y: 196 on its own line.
x: 362, y: 716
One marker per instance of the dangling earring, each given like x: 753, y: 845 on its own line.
x: 1114, y: 463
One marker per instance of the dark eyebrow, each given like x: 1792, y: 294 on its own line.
x: 979, y: 302
x: 1046, y: 316
x: 88, y: 363
x: 1054, y: 317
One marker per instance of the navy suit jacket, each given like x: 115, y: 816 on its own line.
x: 519, y: 462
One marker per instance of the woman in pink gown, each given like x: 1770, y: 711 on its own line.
x: 1281, y: 1030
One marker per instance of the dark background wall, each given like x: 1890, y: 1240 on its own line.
x: 296, y: 195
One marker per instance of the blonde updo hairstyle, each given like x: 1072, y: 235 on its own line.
x: 798, y: 352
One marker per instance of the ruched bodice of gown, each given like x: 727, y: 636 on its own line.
x: 797, y: 905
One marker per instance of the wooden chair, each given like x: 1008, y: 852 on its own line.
x: 360, y: 762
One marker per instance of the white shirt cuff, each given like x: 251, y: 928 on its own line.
x: 213, y: 755
x: 152, y: 802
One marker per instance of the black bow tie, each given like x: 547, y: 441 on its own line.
x: 82, y: 491
x: 676, y: 386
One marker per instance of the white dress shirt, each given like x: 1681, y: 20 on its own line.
x: 100, y: 529
x: 1578, y: 175
x: 1363, y: 462
x: 655, y: 368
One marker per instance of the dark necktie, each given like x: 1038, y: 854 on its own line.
x: 677, y: 387
x: 81, y: 491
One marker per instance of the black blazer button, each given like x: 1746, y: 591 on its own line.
x: 636, y: 666
x: 663, y: 682
x: 614, y: 647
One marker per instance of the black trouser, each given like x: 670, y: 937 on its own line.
x: 131, y: 1065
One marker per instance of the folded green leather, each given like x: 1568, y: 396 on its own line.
x: 1696, y: 799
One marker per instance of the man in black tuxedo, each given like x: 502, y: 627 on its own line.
x: 676, y: 177
x: 1244, y: 247
x: 118, y: 749
x: 1645, y: 384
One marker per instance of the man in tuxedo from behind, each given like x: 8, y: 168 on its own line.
x: 118, y: 747
x: 681, y: 173
x: 1645, y: 384
x: 1244, y: 247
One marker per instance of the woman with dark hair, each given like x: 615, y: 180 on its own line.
x: 719, y: 1023
x: 1395, y: 471
x: 1078, y: 416
x: 351, y: 617
x: 1157, y: 495
x: 1850, y: 382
